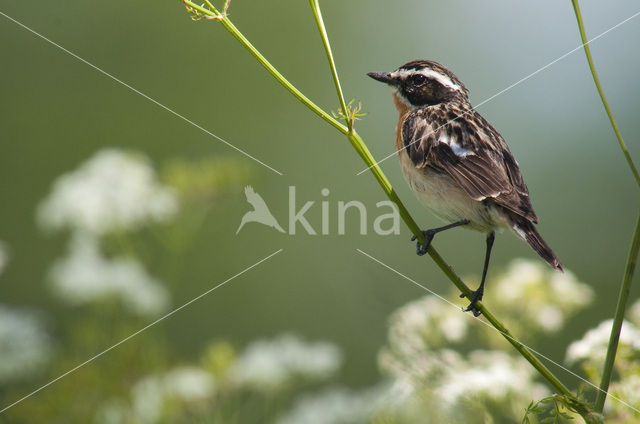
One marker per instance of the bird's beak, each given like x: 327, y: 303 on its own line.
x: 383, y: 77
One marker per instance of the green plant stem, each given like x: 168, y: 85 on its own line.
x: 213, y: 13
x: 623, y: 296
x: 635, y: 244
x: 315, y: 6
x: 362, y: 150
x: 596, y: 80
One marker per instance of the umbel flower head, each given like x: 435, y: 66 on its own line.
x: 592, y: 347
x: 270, y: 364
x: 24, y: 345
x: 155, y: 397
x: 86, y: 275
x: 113, y: 190
x: 551, y: 297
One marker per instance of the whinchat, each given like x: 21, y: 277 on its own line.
x: 456, y: 163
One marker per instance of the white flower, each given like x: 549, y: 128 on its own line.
x: 147, y: 398
x: 540, y: 295
x: 454, y: 326
x: 593, y: 345
x: 189, y: 383
x: 550, y: 318
x: 113, y: 412
x: 398, y: 394
x: 489, y: 373
x: 4, y: 256
x: 24, y: 346
x: 418, y: 334
x: 334, y: 406
x: 185, y: 384
x: 628, y: 390
x: 426, y: 323
x: 85, y: 275
x: 270, y: 364
x: 520, y: 275
x: 566, y: 287
x: 112, y: 190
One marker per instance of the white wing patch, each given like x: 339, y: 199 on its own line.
x: 456, y: 148
x: 519, y: 231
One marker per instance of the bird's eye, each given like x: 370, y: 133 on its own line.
x: 418, y: 79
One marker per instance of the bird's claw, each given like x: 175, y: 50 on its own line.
x: 421, y: 249
x: 473, y: 306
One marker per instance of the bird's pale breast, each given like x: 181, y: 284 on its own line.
x: 439, y: 193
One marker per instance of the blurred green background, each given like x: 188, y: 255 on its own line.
x: 56, y: 112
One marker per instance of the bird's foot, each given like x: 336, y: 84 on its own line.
x: 421, y: 249
x: 475, y: 298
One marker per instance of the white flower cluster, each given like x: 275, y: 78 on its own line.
x: 627, y: 389
x: 112, y: 191
x: 452, y: 378
x: 427, y: 323
x: 188, y: 384
x: 270, y: 364
x: 490, y: 373
x: 150, y: 396
x: 85, y: 275
x: 426, y: 369
x: 24, y: 345
x: 540, y: 296
x: 419, y: 333
x: 593, y: 345
x: 334, y: 406
x: 263, y: 365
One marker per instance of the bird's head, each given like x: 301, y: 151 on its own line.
x: 423, y: 82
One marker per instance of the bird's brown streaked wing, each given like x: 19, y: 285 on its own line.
x: 511, y: 166
x: 478, y: 160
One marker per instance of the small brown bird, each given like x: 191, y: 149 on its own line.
x: 456, y: 163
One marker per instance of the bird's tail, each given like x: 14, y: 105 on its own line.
x: 527, y: 231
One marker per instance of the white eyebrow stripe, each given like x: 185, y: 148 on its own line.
x: 429, y: 73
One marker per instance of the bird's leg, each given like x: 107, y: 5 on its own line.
x: 421, y: 249
x: 477, y: 295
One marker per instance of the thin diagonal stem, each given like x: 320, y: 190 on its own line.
x: 224, y: 20
x: 315, y: 6
x: 614, y: 338
x: 596, y: 80
x: 635, y: 244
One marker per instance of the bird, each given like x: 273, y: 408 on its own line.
x: 457, y: 164
x: 260, y: 212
